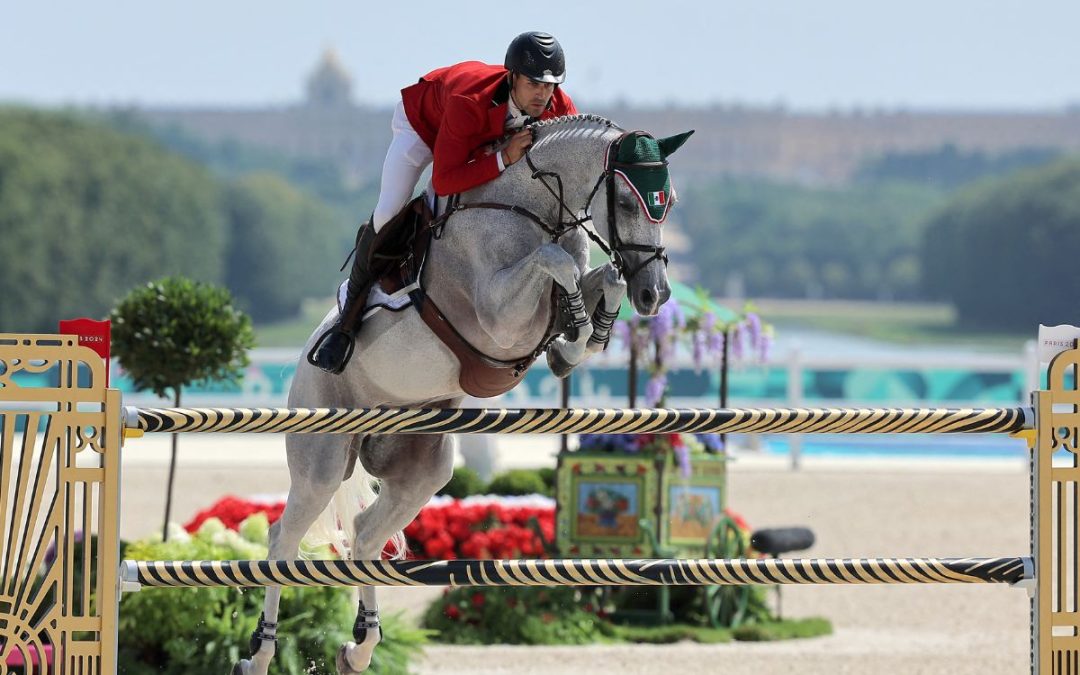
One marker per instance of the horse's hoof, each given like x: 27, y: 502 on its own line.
x: 353, y: 659
x: 559, y: 366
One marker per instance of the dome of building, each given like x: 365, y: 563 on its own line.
x: 329, y: 85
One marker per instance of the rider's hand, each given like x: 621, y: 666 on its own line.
x: 516, y: 146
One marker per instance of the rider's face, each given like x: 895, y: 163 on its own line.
x: 531, y: 97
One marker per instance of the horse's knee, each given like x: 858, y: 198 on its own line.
x: 559, y: 264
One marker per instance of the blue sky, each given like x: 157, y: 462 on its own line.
x: 806, y: 55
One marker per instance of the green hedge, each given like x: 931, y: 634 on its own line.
x: 206, y: 630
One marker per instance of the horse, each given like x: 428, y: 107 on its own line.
x: 500, y: 253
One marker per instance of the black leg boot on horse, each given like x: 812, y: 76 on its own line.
x: 333, y: 350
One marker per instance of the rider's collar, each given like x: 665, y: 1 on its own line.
x: 637, y: 157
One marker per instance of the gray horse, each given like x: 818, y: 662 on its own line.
x: 492, y: 272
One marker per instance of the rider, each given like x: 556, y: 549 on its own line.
x: 456, y: 116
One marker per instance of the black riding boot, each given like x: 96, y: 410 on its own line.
x: 334, y: 349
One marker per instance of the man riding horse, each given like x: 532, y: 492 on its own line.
x: 456, y: 116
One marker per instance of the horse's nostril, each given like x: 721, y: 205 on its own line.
x: 647, y: 297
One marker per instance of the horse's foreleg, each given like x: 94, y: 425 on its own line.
x: 506, y: 305
x: 410, y: 470
x: 604, y: 291
x: 311, y: 490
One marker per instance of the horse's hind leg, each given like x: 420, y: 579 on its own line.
x: 410, y: 468
x: 316, y: 468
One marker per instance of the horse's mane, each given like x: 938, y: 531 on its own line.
x: 572, y: 122
x: 573, y: 119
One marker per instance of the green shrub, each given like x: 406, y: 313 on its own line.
x: 518, y: 615
x: 206, y: 630
x: 465, y: 482
x: 518, y: 482
x: 548, y: 475
x: 173, y: 332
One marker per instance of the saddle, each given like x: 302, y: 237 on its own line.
x: 401, y: 255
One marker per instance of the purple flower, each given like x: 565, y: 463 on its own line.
x: 677, y: 314
x: 753, y: 327
x: 621, y: 331
x: 663, y: 323
x: 765, y: 347
x: 716, y: 344
x: 737, y: 336
x: 712, y: 442
x: 708, y: 322
x: 655, y: 389
x: 699, y: 348
x: 608, y: 442
x: 682, y: 457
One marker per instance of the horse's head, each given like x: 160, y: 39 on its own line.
x: 632, y: 201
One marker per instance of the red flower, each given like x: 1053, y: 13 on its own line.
x: 453, y: 612
x: 478, y: 600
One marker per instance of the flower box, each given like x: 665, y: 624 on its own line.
x: 613, y: 504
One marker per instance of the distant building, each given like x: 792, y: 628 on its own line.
x: 819, y: 148
x: 329, y: 85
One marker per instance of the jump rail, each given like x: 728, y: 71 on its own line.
x: 579, y: 420
x: 670, y: 572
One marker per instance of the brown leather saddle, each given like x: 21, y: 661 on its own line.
x: 402, y: 247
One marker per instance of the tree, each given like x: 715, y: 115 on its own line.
x: 1004, y: 251
x: 87, y: 213
x: 174, y: 332
x: 283, y: 246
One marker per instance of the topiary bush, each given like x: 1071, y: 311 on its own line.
x: 464, y: 483
x: 519, y: 482
x: 174, y: 332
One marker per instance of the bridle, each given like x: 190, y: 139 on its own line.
x: 616, y: 248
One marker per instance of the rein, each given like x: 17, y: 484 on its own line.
x: 614, y: 249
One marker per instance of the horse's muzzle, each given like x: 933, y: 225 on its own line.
x: 648, y: 299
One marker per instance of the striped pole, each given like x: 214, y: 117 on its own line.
x: 579, y: 420
x: 257, y: 573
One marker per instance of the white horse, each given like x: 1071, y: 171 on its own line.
x: 492, y: 271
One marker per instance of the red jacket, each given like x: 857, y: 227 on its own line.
x: 457, y: 111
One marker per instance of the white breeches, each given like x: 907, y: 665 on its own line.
x: 405, y: 161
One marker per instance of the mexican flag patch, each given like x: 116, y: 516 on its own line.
x: 657, y: 198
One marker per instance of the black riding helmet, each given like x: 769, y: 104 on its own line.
x: 537, y: 56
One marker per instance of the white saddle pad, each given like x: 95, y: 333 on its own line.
x: 378, y: 298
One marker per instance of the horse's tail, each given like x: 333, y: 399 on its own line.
x: 335, y: 526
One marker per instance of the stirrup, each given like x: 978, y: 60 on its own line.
x: 349, y: 349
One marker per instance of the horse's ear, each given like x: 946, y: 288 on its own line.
x: 672, y: 143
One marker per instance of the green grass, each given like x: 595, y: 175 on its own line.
x: 901, y: 323
x: 294, y: 332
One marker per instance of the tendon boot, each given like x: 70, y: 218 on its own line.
x: 334, y: 348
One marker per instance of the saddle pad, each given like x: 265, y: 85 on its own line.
x: 378, y: 298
